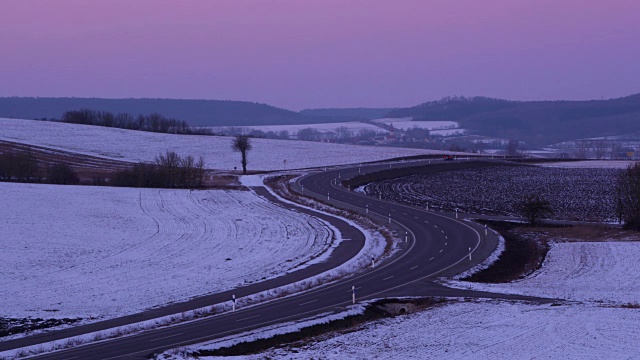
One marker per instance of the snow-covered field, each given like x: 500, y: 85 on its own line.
x: 137, y: 146
x: 74, y: 251
x: 600, y: 277
x: 407, y: 123
x: 485, y: 330
x: 591, y: 164
x: 601, y: 272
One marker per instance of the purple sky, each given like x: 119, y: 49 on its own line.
x: 330, y: 53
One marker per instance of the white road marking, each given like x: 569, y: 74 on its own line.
x: 440, y: 250
x: 445, y: 244
x: 387, y: 278
x: 413, y: 267
x: 431, y: 259
x: 415, y: 217
x: 308, y: 302
x: 404, y: 213
x: 247, y: 318
x: 166, y: 337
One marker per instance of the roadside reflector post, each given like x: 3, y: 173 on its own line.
x: 353, y: 294
x: 349, y: 187
x: 233, y: 303
x: 373, y: 261
x: 367, y: 207
x: 389, y: 218
x: 406, y: 236
x: 327, y: 195
x: 469, y: 254
x: 302, y: 187
x: 485, y: 229
x: 456, y: 213
x: 427, y: 206
x: 339, y: 176
x: 380, y: 196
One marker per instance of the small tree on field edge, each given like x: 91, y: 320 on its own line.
x: 534, y: 207
x: 242, y: 143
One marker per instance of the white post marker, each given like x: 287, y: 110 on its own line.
x: 302, y: 187
x: 353, y: 294
x: 469, y: 254
x: 339, y: 176
x: 389, y: 218
x: 349, y: 187
x: 367, y: 208
x: 358, y: 170
x: 233, y: 302
x: 485, y: 229
x: 427, y: 206
x: 406, y: 236
x: 373, y: 261
x: 327, y: 195
x: 380, y: 196
x: 456, y: 213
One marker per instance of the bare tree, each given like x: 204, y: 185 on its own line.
x: 628, y: 196
x: 600, y: 149
x: 512, y: 148
x: 242, y: 143
x: 581, y: 149
x: 534, y: 207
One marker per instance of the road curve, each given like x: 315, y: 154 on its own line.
x: 436, y: 245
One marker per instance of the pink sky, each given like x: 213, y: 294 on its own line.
x: 331, y: 53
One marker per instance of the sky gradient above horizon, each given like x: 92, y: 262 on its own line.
x: 332, y: 53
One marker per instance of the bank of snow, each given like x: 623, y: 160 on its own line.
x: 603, y: 272
x: 135, y: 146
x: 483, y: 330
x: 73, y: 251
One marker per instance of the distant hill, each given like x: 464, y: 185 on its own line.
x: 194, y: 112
x: 535, y: 122
x: 349, y: 114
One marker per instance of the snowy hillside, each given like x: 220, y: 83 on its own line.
x: 145, y: 146
x: 354, y: 127
x: 75, y: 251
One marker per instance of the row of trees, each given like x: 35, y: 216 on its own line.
x: 152, y: 122
x: 22, y: 166
x: 170, y: 170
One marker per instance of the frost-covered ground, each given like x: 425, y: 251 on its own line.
x: 137, y: 146
x: 601, y: 272
x: 74, y: 251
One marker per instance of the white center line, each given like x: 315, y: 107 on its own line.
x: 413, y: 267
x: 166, y: 337
x: 308, y: 302
x: 440, y: 250
x: 404, y: 213
x: 445, y: 244
x: 430, y: 259
x: 247, y: 318
x: 387, y: 278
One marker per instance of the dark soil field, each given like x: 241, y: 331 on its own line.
x: 574, y: 194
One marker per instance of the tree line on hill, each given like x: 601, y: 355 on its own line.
x: 153, y: 122
x: 168, y: 171
x: 25, y: 167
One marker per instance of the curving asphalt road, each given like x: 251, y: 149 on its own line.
x: 436, y: 245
